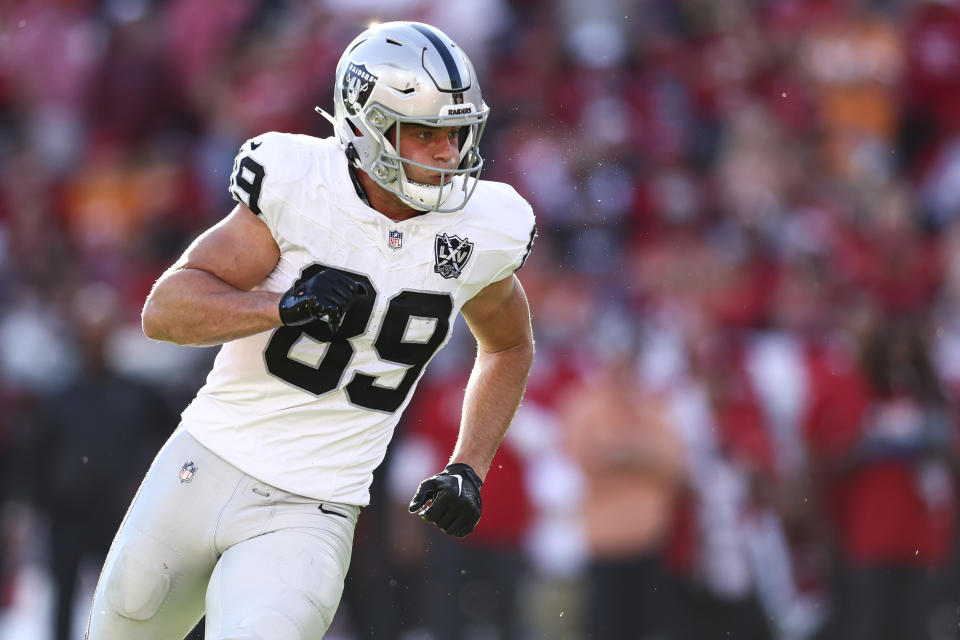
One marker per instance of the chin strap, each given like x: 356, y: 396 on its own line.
x: 357, y: 185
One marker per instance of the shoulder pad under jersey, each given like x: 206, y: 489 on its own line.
x: 503, y: 223
x: 265, y: 168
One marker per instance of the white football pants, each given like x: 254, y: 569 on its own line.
x: 200, y: 535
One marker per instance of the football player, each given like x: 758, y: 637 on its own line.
x: 331, y: 285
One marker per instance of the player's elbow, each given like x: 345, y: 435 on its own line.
x: 519, y: 354
x: 525, y: 342
x: 152, y: 322
x: 527, y: 350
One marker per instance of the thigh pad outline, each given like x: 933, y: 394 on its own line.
x: 139, y: 582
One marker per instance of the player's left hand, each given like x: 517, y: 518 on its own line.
x: 454, y: 497
x: 327, y: 296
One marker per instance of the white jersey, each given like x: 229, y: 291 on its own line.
x: 312, y: 412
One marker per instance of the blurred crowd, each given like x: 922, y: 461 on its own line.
x: 742, y: 420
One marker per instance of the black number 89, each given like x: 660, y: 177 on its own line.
x: 390, y: 345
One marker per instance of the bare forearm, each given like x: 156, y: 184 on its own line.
x: 194, y: 307
x: 493, y: 394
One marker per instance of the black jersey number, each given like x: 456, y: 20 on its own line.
x: 246, y: 182
x: 390, y: 345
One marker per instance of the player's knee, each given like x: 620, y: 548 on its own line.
x: 139, y: 581
x: 264, y: 626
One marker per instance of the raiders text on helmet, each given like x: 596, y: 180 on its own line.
x: 400, y: 73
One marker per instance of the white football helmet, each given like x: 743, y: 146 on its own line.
x: 408, y: 72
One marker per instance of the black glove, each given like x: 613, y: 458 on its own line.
x: 454, y: 494
x: 326, y: 295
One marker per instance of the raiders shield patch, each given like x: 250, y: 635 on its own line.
x: 357, y: 86
x: 452, y: 254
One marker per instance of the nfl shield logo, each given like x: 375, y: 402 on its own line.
x: 452, y: 254
x: 396, y: 239
x: 187, y: 471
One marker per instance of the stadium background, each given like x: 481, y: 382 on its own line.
x: 746, y: 298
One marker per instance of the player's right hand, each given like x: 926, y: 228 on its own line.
x: 326, y: 296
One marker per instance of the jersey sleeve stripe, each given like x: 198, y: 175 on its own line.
x: 526, y: 253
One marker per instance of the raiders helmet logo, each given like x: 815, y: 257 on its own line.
x: 452, y: 254
x: 356, y: 88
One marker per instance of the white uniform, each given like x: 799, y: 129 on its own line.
x: 311, y: 416
x: 292, y: 422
